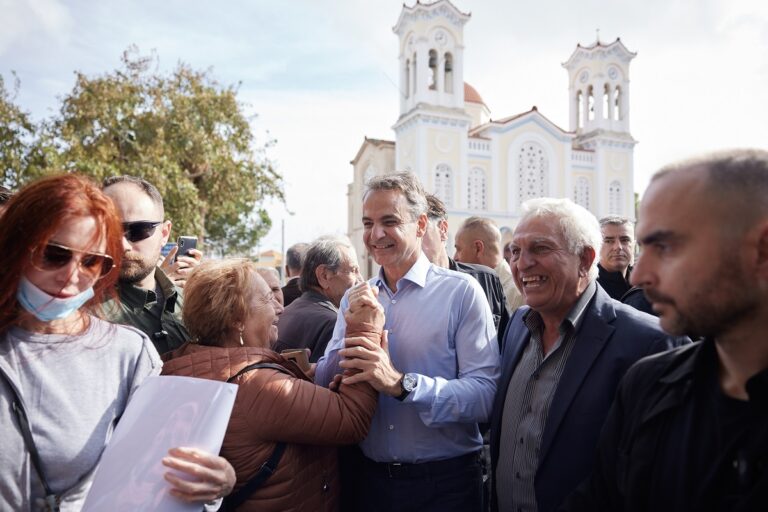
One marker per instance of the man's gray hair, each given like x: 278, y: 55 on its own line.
x: 322, y: 251
x: 294, y: 256
x: 484, y: 229
x: 268, y: 270
x: 616, y: 220
x: 143, y: 184
x: 578, y: 226
x: 406, y: 183
x: 435, y: 208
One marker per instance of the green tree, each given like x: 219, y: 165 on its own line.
x: 17, y: 137
x: 183, y: 132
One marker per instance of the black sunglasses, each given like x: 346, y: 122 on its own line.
x: 139, y: 230
x: 54, y: 256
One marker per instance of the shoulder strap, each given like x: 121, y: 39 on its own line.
x: 256, y: 366
x: 266, y: 470
x: 51, y: 499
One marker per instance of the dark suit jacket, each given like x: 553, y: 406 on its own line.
x: 611, y: 338
x: 291, y: 291
x: 307, y: 323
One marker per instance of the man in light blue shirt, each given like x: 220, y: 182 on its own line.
x: 436, y: 370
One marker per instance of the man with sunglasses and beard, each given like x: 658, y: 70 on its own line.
x: 149, y: 299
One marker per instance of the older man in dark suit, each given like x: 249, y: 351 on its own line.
x: 563, y: 358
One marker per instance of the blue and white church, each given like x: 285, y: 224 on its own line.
x: 487, y: 167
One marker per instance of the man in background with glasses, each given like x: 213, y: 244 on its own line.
x: 149, y: 299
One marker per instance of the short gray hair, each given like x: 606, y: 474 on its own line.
x: 294, y: 256
x: 484, y: 229
x: 578, y: 226
x: 405, y: 182
x: 322, y: 251
x: 616, y: 220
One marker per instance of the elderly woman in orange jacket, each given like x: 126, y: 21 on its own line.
x: 232, y: 316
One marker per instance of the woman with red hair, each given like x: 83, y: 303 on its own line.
x: 66, y: 375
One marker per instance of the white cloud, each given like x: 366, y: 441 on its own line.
x: 22, y: 22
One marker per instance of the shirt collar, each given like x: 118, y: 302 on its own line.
x: 139, y: 297
x: 574, y: 317
x: 417, y: 274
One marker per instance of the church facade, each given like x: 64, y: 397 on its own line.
x: 489, y: 167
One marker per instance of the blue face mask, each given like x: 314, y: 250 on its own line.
x: 44, y: 306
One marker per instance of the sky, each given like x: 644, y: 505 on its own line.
x: 319, y: 75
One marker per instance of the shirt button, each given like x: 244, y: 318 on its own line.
x: 391, y: 427
x: 394, y: 301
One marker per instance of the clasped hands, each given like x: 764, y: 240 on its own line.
x: 365, y: 356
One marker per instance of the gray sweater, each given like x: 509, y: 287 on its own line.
x: 74, y: 389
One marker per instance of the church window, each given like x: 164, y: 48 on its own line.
x: 614, y: 198
x: 591, y: 100
x: 448, y: 73
x: 415, y: 87
x: 407, y: 78
x: 433, y: 69
x: 606, y: 101
x: 579, y: 109
x: 444, y: 184
x: 617, y: 113
x: 581, y: 195
x: 533, y: 169
x: 476, y: 194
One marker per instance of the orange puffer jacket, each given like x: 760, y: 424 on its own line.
x: 271, y: 407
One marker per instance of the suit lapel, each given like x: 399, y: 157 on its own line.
x: 596, y: 330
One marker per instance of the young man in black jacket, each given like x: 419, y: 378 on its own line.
x: 689, y: 428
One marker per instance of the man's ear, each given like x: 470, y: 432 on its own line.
x: 586, y: 259
x: 421, y: 225
x: 761, y: 232
x: 479, y: 247
x: 321, y: 273
x: 442, y: 225
x: 166, y: 231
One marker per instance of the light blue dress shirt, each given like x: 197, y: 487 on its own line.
x: 441, y: 329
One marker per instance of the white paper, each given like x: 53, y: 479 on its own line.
x: 165, y: 412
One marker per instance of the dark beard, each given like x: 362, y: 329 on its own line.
x: 133, y: 271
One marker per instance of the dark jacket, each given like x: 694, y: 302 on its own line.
x: 615, y: 283
x: 270, y: 407
x: 611, y: 338
x: 635, y: 297
x: 291, y: 291
x: 655, y: 401
x: 135, y: 306
x: 307, y: 323
x: 494, y: 292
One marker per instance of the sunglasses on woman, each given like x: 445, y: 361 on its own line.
x: 139, y: 230
x: 54, y: 256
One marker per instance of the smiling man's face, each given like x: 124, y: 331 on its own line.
x: 549, y: 277
x: 391, y: 234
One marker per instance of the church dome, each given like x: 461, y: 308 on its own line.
x: 471, y: 95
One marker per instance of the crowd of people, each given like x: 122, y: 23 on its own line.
x: 558, y: 371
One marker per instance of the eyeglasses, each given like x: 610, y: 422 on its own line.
x: 139, y: 230
x: 55, y: 256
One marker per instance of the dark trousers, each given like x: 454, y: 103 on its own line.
x: 452, y: 485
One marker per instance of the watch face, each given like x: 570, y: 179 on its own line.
x: 409, y: 382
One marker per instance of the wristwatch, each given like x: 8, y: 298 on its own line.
x: 407, y: 384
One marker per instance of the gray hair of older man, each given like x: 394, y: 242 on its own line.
x: 616, y: 220
x: 578, y: 226
x: 406, y: 183
x: 294, y: 256
x: 322, y: 251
